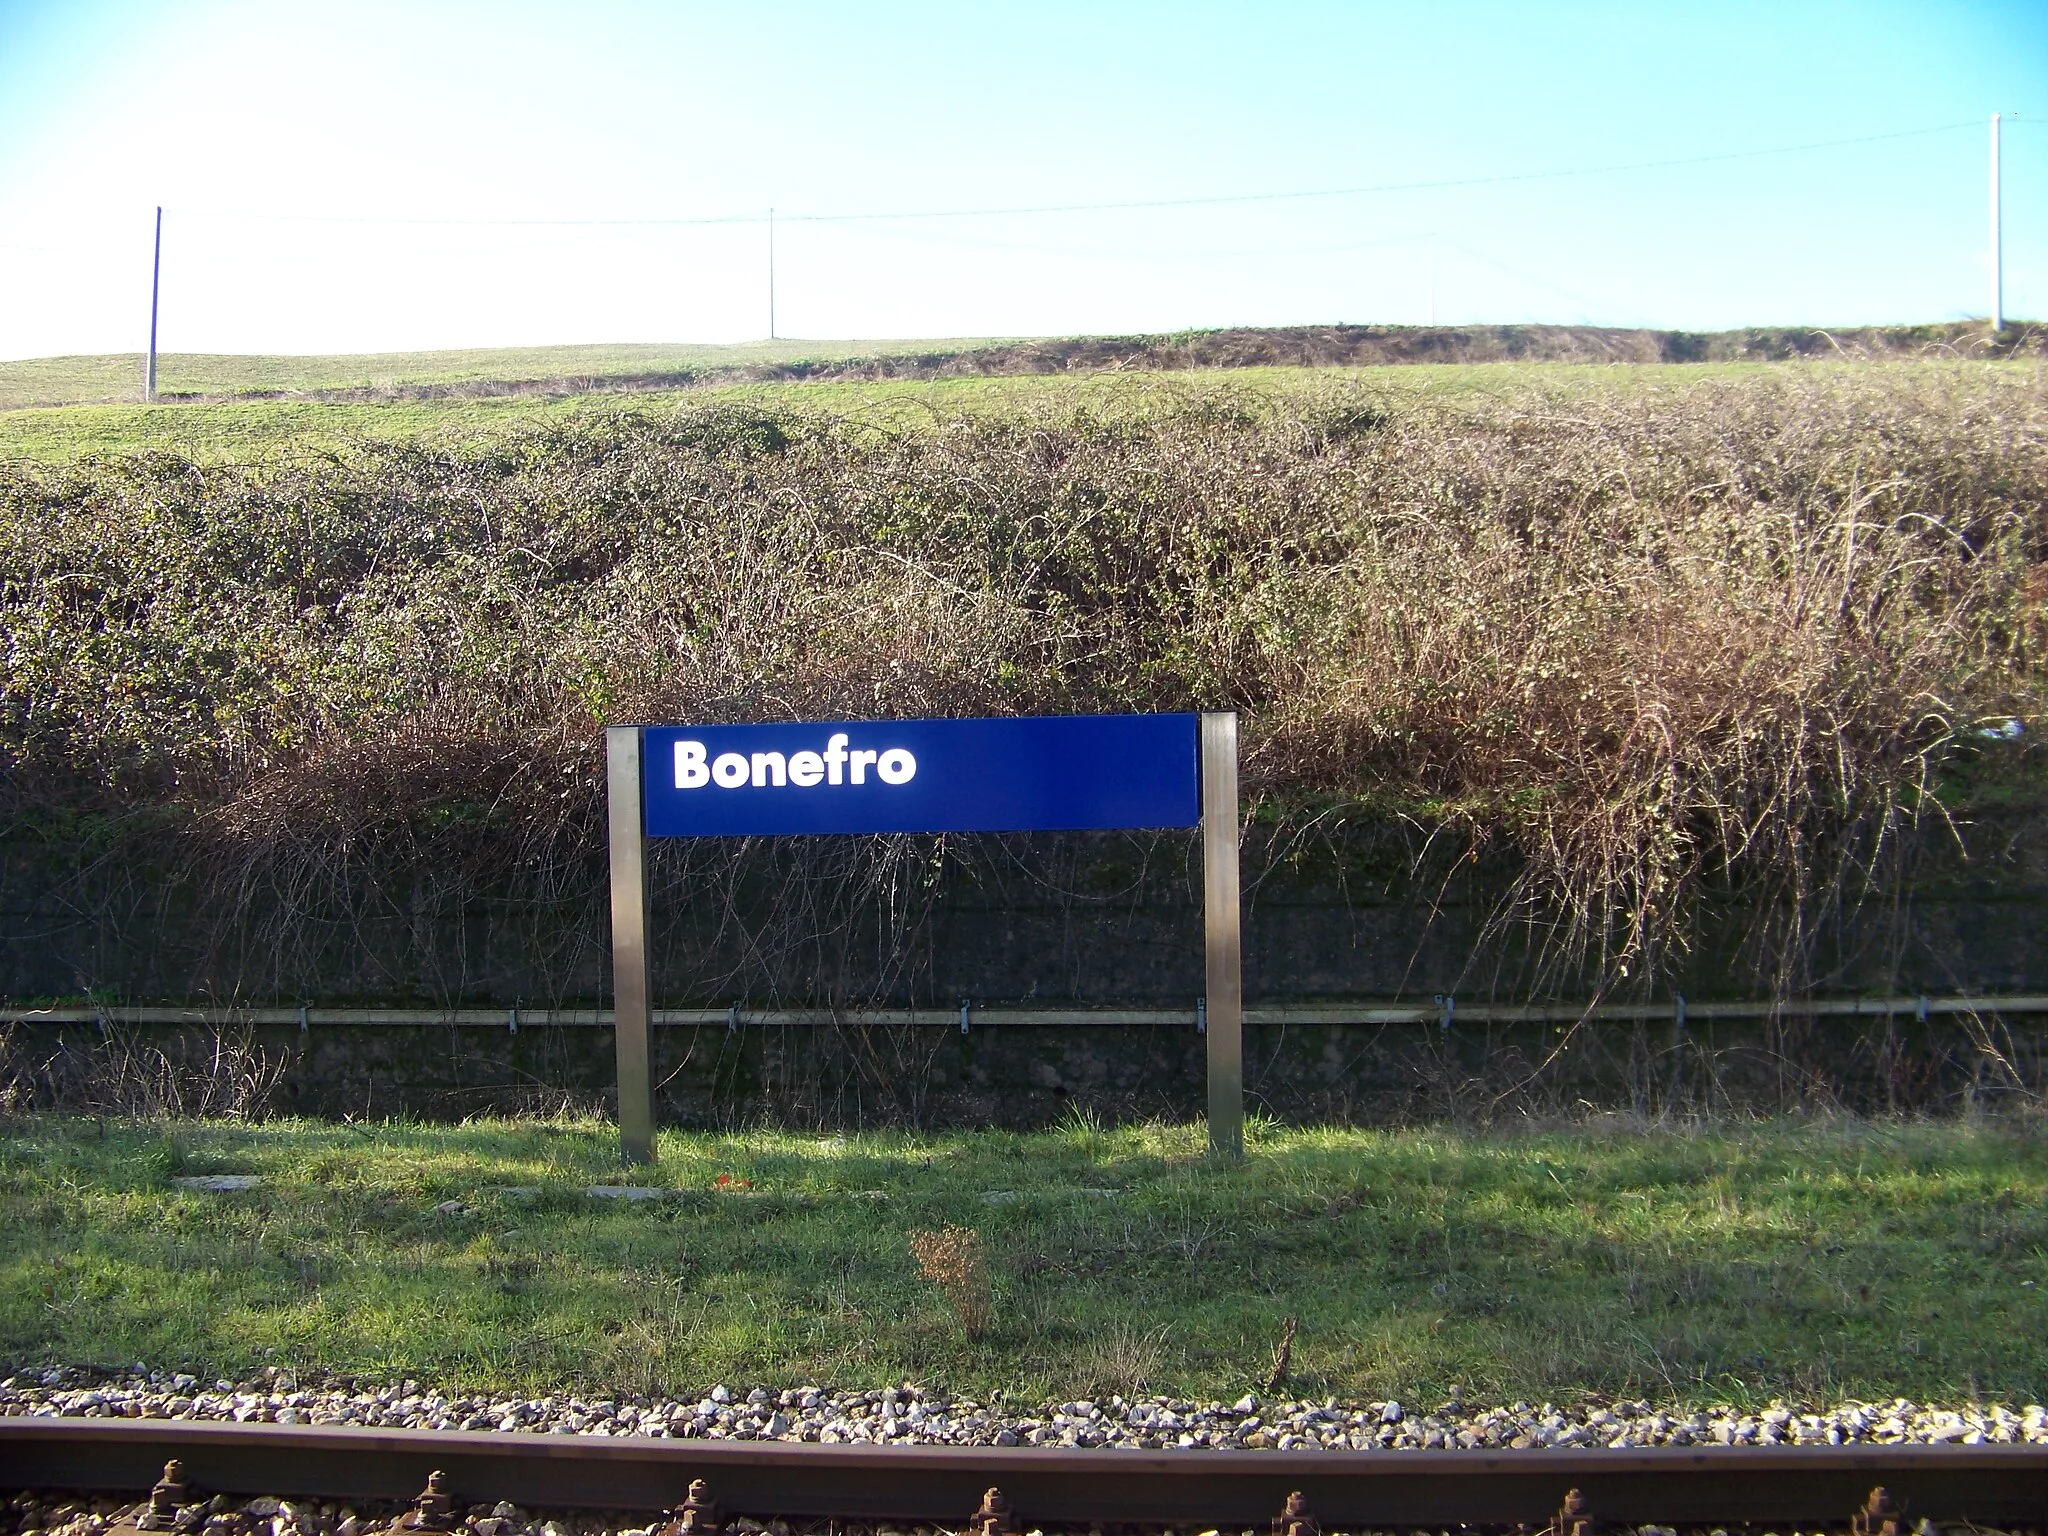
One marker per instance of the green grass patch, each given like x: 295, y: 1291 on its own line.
x: 270, y: 431
x: 1816, y: 1260
x: 119, y: 376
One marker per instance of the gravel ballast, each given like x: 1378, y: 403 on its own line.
x: 911, y: 1415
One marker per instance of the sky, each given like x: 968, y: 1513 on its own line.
x: 377, y: 176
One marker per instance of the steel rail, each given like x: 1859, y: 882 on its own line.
x: 1213, y: 1488
x: 1275, y: 1015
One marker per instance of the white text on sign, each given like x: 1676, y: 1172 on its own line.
x: 837, y: 764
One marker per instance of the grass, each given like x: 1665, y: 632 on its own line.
x: 118, y: 376
x: 1735, y: 1263
x: 266, y: 431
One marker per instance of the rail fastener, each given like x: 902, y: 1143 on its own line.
x: 697, y: 1515
x: 434, y: 1511
x: 167, y: 1499
x: 993, y: 1517
x: 1294, y: 1518
x: 1574, y: 1516
x: 1879, y: 1516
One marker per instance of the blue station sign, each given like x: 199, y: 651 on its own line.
x: 1022, y: 774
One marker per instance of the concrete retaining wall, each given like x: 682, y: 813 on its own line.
x: 1099, y: 921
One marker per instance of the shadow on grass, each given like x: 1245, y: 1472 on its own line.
x: 1722, y: 1263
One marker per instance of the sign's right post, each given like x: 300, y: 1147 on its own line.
x: 1222, y: 936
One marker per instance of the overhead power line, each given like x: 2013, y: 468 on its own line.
x: 1371, y: 189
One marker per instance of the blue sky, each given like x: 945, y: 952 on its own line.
x: 368, y: 176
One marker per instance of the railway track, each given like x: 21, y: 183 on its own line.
x: 1984, y: 1485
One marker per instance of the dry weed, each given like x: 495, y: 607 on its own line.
x: 1123, y: 1359
x: 221, y: 1075
x: 953, y: 1260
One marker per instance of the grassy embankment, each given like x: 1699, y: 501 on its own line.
x: 571, y: 369
x: 105, y: 377
x: 270, y: 431
x: 1818, y: 1261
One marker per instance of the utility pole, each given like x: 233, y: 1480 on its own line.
x: 1432, y: 280
x: 1997, y: 252
x: 156, y: 269
x: 771, y: 274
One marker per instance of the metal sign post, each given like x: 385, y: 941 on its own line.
x: 1222, y: 936
x: 632, y: 981
x: 1058, y: 773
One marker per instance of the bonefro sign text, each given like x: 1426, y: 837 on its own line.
x: 1033, y: 774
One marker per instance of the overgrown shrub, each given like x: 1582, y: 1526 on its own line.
x: 1650, y: 644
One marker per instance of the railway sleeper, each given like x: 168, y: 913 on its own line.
x: 175, y: 1505
x: 436, y: 1512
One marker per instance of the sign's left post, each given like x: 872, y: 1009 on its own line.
x: 632, y: 981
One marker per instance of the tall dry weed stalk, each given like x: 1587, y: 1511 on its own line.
x: 954, y: 1260
x: 222, y: 1075
x: 1646, y: 647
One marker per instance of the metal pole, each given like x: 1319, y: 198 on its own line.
x: 156, y: 268
x: 632, y: 985
x: 1997, y: 244
x: 771, y: 274
x: 1222, y: 936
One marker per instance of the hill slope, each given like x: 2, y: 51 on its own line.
x: 599, y: 368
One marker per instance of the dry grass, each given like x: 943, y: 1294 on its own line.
x: 229, y: 1078
x: 1123, y: 1359
x: 1648, y: 647
x: 954, y: 1260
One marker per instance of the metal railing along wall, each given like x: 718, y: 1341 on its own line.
x: 1444, y: 1011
